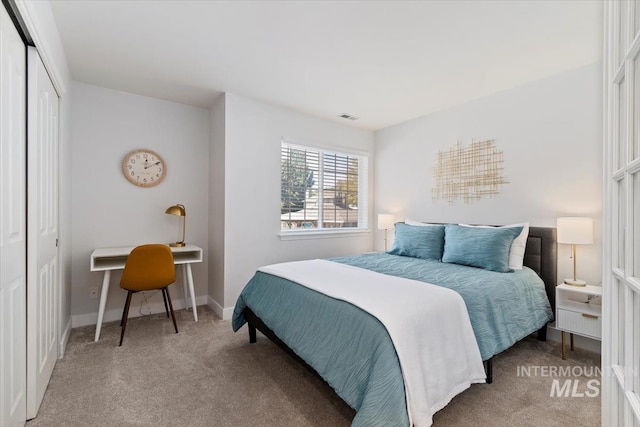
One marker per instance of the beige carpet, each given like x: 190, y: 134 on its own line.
x: 208, y: 376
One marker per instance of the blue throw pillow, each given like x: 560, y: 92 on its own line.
x: 486, y: 248
x: 418, y: 242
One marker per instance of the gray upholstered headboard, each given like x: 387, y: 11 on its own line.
x: 541, y: 255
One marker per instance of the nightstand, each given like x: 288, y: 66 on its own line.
x: 578, y: 311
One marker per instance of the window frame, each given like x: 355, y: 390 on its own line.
x: 363, y: 194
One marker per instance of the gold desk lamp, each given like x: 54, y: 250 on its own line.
x: 178, y: 210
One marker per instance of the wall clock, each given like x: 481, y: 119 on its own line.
x: 144, y: 168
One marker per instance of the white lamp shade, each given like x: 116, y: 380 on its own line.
x: 385, y: 221
x: 575, y: 230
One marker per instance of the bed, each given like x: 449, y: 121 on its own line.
x: 357, y: 353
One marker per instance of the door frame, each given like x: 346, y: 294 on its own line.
x: 621, y: 205
x: 13, y: 280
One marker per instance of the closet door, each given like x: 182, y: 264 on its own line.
x: 621, y: 275
x: 12, y: 225
x: 42, y: 230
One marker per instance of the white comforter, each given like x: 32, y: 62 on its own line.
x: 429, y: 326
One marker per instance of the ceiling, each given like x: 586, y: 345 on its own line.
x: 383, y: 61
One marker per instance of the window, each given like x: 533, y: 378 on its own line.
x: 322, y: 190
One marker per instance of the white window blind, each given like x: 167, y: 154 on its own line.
x: 322, y: 190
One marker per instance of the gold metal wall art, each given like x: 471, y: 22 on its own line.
x: 468, y: 172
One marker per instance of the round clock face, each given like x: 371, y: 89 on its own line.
x: 144, y: 168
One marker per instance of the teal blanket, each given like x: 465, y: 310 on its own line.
x: 352, y: 350
x: 348, y: 347
x: 503, y: 307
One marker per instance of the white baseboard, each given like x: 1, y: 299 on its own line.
x: 223, y: 313
x: 64, y: 339
x: 78, y: 320
x: 580, y: 342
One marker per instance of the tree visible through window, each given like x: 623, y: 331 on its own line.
x: 321, y: 189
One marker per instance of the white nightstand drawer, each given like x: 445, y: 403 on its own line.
x: 579, y: 323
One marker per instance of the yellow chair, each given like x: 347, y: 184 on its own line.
x: 148, y: 267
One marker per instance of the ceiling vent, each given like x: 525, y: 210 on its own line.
x: 348, y: 117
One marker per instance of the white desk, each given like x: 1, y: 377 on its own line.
x: 108, y: 259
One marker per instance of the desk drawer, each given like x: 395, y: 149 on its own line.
x: 578, y: 323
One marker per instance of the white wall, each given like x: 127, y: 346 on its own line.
x: 550, y: 132
x: 216, y: 255
x: 252, y: 189
x: 64, y: 235
x: 108, y: 211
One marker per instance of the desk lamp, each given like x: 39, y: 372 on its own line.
x: 575, y: 231
x: 178, y: 210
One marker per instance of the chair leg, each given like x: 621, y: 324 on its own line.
x: 123, y: 311
x: 173, y: 316
x: 125, y: 316
x: 164, y: 297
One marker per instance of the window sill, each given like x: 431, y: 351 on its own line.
x: 322, y: 234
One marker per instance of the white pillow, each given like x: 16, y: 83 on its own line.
x: 516, y: 253
x: 409, y: 221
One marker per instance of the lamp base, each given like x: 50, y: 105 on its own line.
x: 177, y: 244
x: 576, y: 282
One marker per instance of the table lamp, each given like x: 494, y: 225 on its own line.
x: 178, y: 210
x: 385, y: 222
x: 575, y: 231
